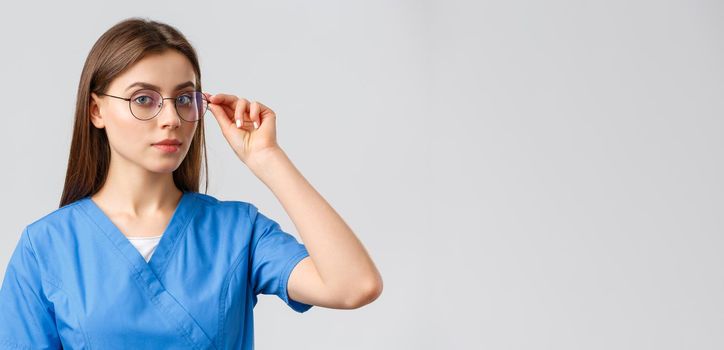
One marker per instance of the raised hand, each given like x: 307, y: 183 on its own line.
x: 249, y: 127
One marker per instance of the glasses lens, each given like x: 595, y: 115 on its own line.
x: 145, y: 104
x: 191, y: 106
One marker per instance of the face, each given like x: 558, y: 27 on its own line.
x: 131, y: 140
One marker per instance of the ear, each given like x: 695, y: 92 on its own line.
x: 94, y: 109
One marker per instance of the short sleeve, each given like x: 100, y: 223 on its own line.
x: 274, y: 255
x: 27, y: 319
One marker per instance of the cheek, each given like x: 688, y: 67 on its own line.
x: 190, y: 131
x: 125, y: 133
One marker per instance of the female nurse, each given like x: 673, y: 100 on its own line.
x: 135, y: 256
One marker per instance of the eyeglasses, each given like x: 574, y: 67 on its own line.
x: 145, y: 104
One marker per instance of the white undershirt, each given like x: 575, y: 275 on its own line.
x: 145, y: 245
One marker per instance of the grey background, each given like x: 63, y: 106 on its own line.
x: 525, y: 174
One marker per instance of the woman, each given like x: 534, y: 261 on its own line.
x: 136, y: 257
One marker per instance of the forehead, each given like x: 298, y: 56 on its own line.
x: 166, y: 70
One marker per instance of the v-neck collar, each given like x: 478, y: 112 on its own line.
x: 148, y: 274
x: 174, y: 231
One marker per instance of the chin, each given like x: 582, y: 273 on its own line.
x: 163, y: 171
x: 162, y: 168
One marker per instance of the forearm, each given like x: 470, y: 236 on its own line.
x: 339, y: 257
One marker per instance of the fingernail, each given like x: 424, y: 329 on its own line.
x: 238, y: 123
x: 256, y: 126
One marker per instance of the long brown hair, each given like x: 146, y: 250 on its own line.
x: 117, y: 49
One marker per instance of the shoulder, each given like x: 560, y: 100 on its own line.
x: 55, y: 220
x: 211, y: 205
x: 211, y: 202
x: 56, y: 215
x: 54, y: 232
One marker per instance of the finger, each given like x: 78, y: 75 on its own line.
x: 222, y: 117
x: 241, y: 107
x: 266, y: 115
x: 228, y: 127
x: 254, y: 110
x: 231, y: 104
x: 224, y: 99
x: 245, y: 119
x: 226, y: 102
x: 216, y: 109
x: 229, y: 112
x: 223, y: 108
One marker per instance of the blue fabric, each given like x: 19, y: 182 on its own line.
x: 75, y: 281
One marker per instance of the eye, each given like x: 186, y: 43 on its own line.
x: 143, y: 100
x: 183, y: 99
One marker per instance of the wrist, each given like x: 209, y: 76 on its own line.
x: 262, y: 159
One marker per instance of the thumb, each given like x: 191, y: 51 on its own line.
x: 227, y: 125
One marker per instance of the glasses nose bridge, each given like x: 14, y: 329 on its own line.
x: 173, y: 106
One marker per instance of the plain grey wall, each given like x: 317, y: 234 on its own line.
x: 526, y: 174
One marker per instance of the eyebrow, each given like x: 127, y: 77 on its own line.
x: 154, y: 87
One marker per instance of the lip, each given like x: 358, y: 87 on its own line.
x: 172, y: 148
x: 172, y: 142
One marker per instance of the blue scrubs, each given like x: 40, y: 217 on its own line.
x: 74, y: 280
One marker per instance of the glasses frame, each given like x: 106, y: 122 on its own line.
x: 203, y: 97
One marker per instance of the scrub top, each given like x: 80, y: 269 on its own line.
x: 75, y: 281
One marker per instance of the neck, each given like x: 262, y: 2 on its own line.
x: 136, y: 192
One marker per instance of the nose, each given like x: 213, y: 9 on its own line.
x: 167, y: 117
